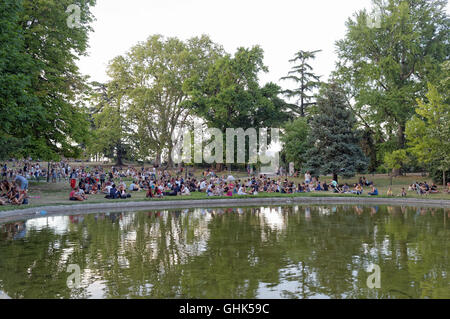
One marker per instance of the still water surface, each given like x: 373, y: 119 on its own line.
x: 264, y: 252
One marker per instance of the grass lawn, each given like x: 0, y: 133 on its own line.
x: 45, y: 194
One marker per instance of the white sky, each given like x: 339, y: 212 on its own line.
x: 281, y: 28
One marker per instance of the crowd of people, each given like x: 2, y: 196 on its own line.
x: 160, y: 185
x: 423, y: 188
x: 157, y: 183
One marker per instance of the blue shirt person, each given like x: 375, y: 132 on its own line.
x: 374, y: 191
x: 22, y: 182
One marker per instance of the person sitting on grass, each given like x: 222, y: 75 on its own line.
x: 124, y: 194
x: 374, y: 191
x: 345, y: 189
x: 185, y: 191
x: 403, y: 192
x: 203, y: 186
x: 106, y: 188
x: 389, y: 192
x: 434, y: 189
x: 17, y: 196
x: 159, y: 191
x: 418, y: 189
x: 421, y: 189
x: 134, y: 187
x: 81, y: 193
x: 5, y: 188
x: 241, y: 190
x: 448, y: 188
x: 218, y: 191
x: 319, y: 187
x: 94, y: 189
x: 74, y: 195
x: 210, y: 190
x: 358, y: 190
x: 228, y: 191
x: 113, y: 192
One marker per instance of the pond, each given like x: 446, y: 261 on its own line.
x: 260, y: 252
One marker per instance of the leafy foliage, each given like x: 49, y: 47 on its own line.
x: 295, y: 141
x: 41, y: 88
x: 428, y: 131
x: 386, y: 68
x: 303, y: 76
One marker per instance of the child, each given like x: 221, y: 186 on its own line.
x: 403, y: 192
x: 389, y: 192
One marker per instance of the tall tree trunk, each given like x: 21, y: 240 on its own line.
x: 170, y: 163
x: 119, y: 159
x: 401, y: 143
x: 443, y: 178
x: 158, y: 159
x: 401, y: 136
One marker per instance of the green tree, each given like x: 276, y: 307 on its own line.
x: 334, y: 142
x: 386, y: 67
x: 395, y: 161
x: 295, y: 141
x: 54, y: 47
x: 231, y: 97
x: 40, y: 85
x: 302, y: 74
x: 428, y: 131
x: 151, y: 76
x: 110, y: 134
x: 19, y: 110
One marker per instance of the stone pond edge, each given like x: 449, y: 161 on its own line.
x: 202, y: 203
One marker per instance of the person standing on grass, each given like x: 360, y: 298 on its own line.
x: 53, y: 172
x: 102, y: 178
x: 307, y: 177
x: 5, y: 171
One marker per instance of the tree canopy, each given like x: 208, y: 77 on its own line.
x: 334, y: 143
x: 41, y: 89
x: 385, y: 68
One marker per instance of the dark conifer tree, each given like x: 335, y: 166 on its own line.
x: 333, y: 139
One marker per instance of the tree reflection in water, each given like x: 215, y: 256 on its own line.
x: 264, y: 252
